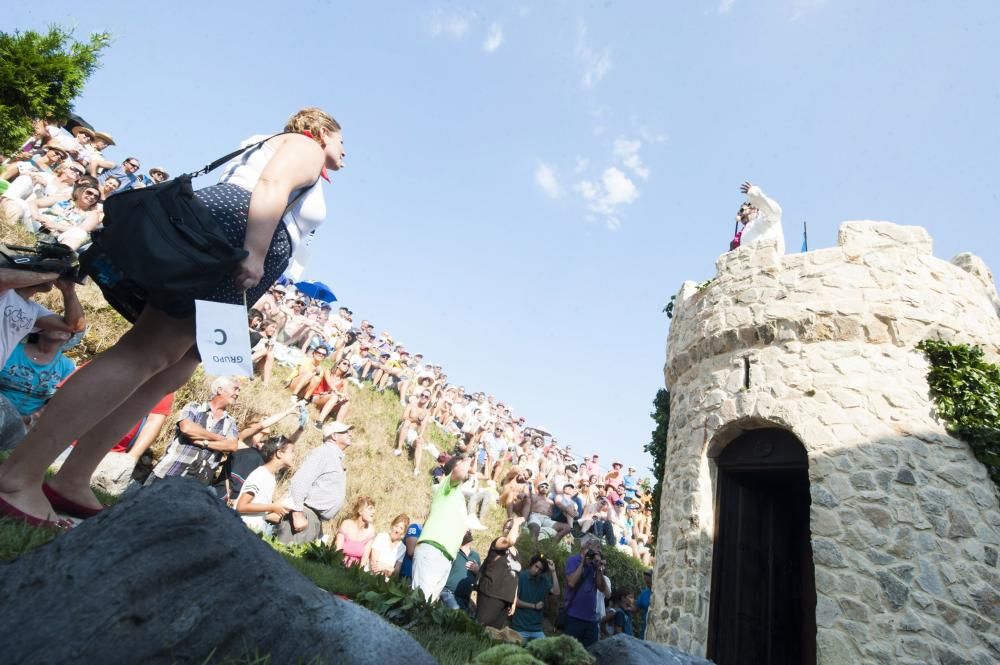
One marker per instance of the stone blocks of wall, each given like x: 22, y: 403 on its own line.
x: 905, y: 523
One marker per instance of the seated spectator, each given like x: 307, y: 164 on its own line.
x: 481, y: 495
x: 538, y: 513
x: 127, y: 174
x: 57, y: 186
x: 534, y: 586
x: 30, y: 376
x: 514, y: 495
x: 108, y: 187
x: 255, y: 502
x: 614, y: 476
x: 158, y: 175
x: 388, y: 548
x: 412, y: 428
x: 204, y: 432
x: 19, y: 171
x: 262, y: 352
x: 336, y: 400
x: 68, y: 222
x: 311, y: 377
x: 437, y: 473
x: 354, y: 538
x: 249, y: 453
x: 497, y: 585
x: 618, y: 618
x: 410, y: 542
x: 457, y: 592
x: 100, y: 142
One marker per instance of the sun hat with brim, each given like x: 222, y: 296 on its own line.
x: 80, y: 129
x: 336, y: 427
x: 104, y: 137
x: 157, y: 169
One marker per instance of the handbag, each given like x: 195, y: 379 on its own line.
x: 161, y: 245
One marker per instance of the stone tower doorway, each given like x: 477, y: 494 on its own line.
x: 763, y: 600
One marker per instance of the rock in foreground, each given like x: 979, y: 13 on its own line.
x: 626, y: 650
x: 173, y: 576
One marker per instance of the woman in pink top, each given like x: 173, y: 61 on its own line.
x: 356, y: 533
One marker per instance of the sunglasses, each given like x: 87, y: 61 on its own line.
x: 132, y: 164
x: 92, y: 194
x: 62, y: 155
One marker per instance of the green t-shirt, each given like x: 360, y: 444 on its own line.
x: 448, y: 520
x: 531, y: 589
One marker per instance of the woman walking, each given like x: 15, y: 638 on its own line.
x: 158, y: 354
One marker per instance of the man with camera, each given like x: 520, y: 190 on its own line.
x: 585, y: 577
x: 534, y: 586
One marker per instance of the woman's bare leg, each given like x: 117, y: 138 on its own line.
x: 73, y: 478
x: 155, y: 343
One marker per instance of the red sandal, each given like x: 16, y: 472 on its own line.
x: 63, y: 505
x: 7, y: 510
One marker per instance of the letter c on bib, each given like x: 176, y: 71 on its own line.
x: 224, y: 336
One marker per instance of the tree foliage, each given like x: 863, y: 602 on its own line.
x: 657, y: 447
x: 40, y: 76
x: 966, y: 391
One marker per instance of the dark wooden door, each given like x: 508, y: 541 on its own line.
x: 763, y: 602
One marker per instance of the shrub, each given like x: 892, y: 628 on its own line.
x: 560, y: 650
x: 506, y: 654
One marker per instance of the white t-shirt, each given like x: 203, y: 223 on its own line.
x: 260, y: 483
x: 385, y: 553
x: 19, y: 316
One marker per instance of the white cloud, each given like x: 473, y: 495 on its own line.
x: 546, y: 178
x: 494, y: 38
x: 628, y: 152
x: 619, y: 190
x: 726, y: 5
x: 448, y: 25
x: 596, y: 64
x: 605, y: 197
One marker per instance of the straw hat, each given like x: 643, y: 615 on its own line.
x: 80, y: 129
x: 104, y: 137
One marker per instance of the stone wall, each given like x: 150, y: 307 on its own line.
x: 905, y: 522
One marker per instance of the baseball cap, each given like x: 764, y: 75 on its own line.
x: 336, y: 427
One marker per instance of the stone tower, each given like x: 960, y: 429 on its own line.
x: 813, y: 508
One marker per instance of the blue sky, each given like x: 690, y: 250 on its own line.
x: 528, y: 184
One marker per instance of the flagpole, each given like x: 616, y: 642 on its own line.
x: 805, y: 238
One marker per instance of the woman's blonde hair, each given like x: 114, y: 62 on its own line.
x: 312, y: 119
x: 402, y: 518
x: 360, y: 503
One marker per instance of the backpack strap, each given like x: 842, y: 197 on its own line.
x: 208, y: 168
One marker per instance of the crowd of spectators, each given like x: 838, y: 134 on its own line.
x: 493, y: 460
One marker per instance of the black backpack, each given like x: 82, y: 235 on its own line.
x: 161, y: 245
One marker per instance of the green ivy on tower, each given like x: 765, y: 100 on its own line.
x: 966, y: 391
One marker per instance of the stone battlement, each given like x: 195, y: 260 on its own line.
x: 880, y: 285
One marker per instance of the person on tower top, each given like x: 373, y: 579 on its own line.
x: 759, y: 218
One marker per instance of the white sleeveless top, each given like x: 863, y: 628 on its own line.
x: 301, y: 220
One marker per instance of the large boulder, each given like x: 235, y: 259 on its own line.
x: 170, y: 575
x: 627, y: 650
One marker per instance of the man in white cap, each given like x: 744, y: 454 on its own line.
x: 318, y: 488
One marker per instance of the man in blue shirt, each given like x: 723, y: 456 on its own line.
x: 643, y: 601
x: 458, y: 589
x: 584, y: 577
x: 631, y: 482
x: 410, y: 541
x: 126, y: 174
